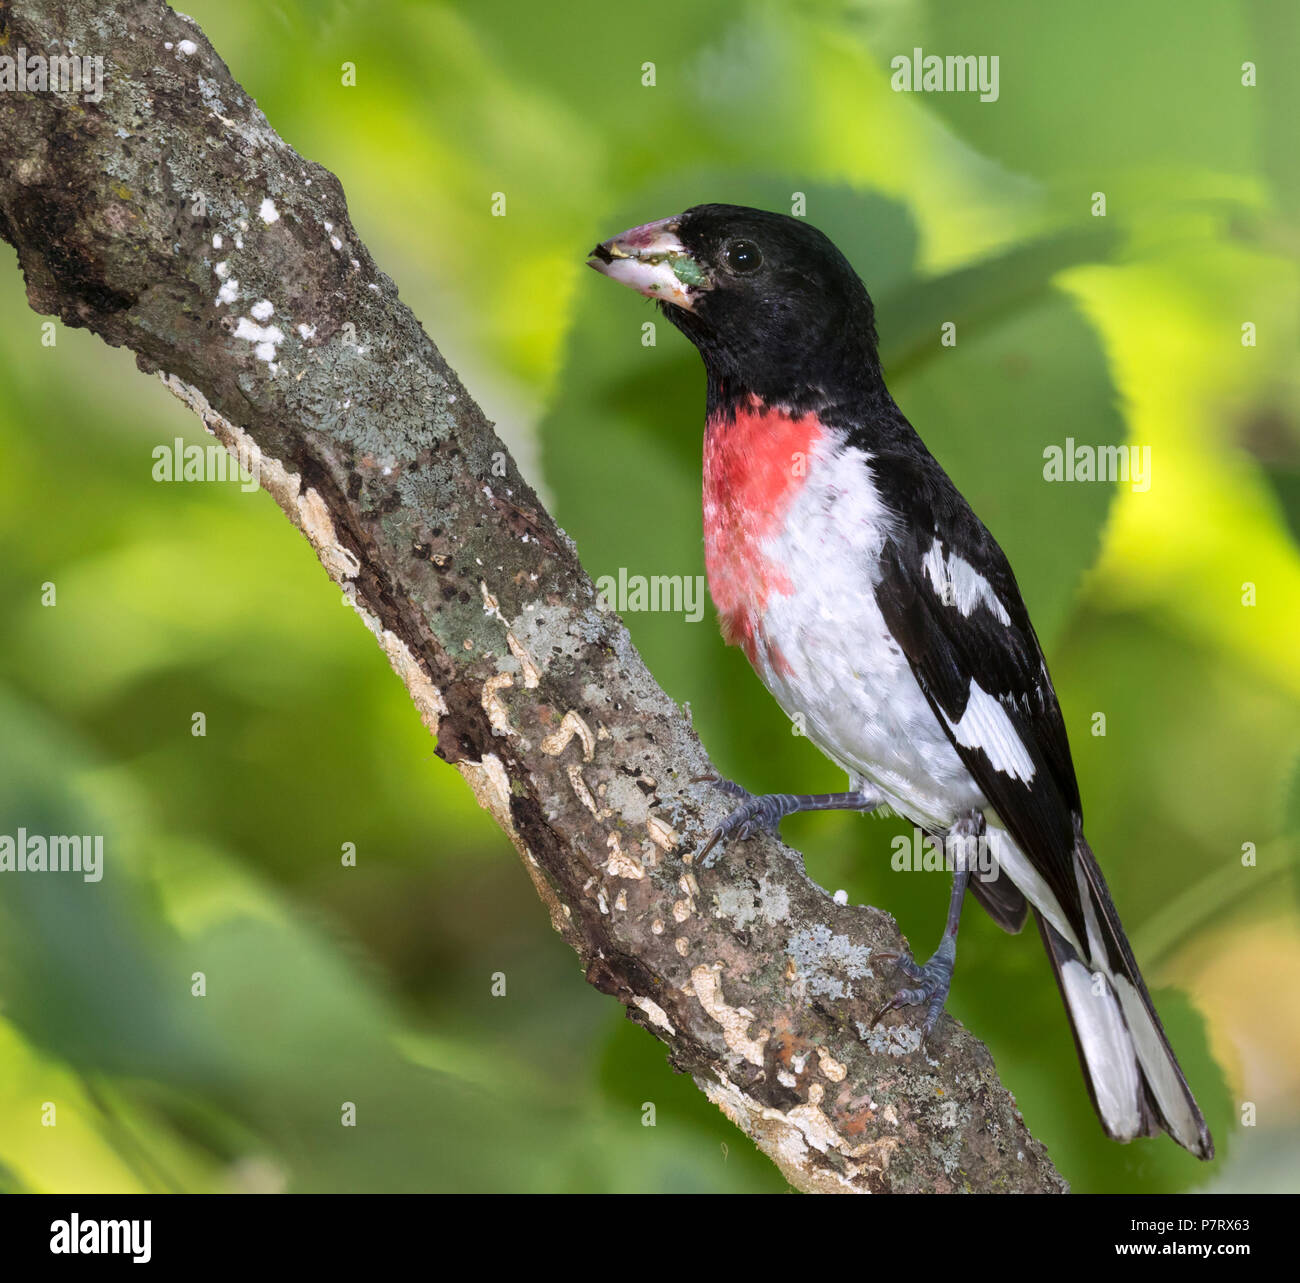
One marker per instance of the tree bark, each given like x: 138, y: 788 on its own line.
x: 160, y: 217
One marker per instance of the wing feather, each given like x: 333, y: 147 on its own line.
x: 971, y: 646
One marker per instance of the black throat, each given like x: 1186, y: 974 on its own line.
x: 835, y: 376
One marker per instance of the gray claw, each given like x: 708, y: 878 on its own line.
x: 934, y: 980
x: 754, y: 812
x: 767, y: 811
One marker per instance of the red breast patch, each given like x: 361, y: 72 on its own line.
x: 754, y: 467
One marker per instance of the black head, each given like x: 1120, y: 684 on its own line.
x: 773, y: 307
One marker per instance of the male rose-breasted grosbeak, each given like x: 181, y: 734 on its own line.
x: 872, y: 601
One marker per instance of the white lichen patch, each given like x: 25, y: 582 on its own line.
x: 734, y: 1021
x: 306, y: 332
x: 228, y: 293
x: 890, y: 1040
x: 826, y: 960
x: 624, y: 797
x: 188, y: 48
x: 496, y: 711
x: 821, y: 1134
x: 210, y: 92
x: 527, y: 664
x: 570, y: 725
x: 621, y: 864
x: 262, y: 310
x: 580, y: 789
x: 792, y: 1137
x: 661, y: 833
x: 266, y: 339
x: 743, y: 905
x: 684, y: 908
x: 268, y: 212
x: 658, y: 1016
x: 830, y: 1066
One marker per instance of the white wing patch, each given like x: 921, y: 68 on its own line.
x: 959, y: 584
x: 985, y: 725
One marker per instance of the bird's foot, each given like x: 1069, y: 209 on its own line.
x: 769, y: 809
x: 763, y: 811
x: 933, y: 980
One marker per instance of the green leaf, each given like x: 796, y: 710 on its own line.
x: 1077, y: 98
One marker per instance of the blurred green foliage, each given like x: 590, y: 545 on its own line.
x: 373, y: 985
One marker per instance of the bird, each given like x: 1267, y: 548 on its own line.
x: 877, y: 608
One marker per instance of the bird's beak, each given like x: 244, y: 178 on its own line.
x: 652, y: 260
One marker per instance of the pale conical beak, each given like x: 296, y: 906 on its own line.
x: 651, y: 260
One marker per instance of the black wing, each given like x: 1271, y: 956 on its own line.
x: 950, y: 646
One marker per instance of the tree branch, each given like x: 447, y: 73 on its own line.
x: 160, y: 217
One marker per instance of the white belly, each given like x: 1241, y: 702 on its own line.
x: 824, y: 652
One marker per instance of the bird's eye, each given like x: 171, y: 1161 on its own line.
x: 742, y: 257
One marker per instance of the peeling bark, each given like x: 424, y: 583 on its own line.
x: 756, y: 981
